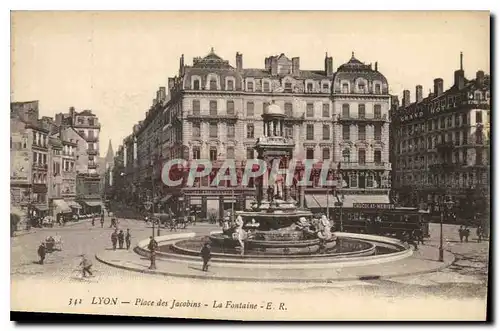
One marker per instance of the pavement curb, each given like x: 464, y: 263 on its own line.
x: 274, y: 280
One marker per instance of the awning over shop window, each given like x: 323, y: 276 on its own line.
x: 61, y: 206
x: 166, y: 198
x: 349, y: 200
x: 311, y: 202
x: 74, y: 204
x: 41, y: 208
x: 323, y: 201
x: 93, y: 203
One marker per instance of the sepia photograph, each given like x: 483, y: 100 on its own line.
x: 251, y: 165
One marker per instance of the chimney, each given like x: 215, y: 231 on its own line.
x: 239, y: 61
x: 459, y: 75
x: 480, y: 77
x: 181, y: 65
x: 376, y: 66
x: 163, y: 93
x: 171, y: 83
x: 406, y: 98
x: 155, y: 102
x: 438, y: 87
x: 419, y: 93
x: 328, y: 65
x: 158, y: 96
x: 274, y: 66
x: 267, y: 63
x: 295, y: 66
x: 394, y: 102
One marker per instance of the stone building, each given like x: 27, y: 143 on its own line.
x: 214, y: 111
x: 441, y: 145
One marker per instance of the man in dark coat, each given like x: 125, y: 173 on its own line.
x: 128, y: 238
x: 152, y: 246
x: 93, y: 219
x: 206, y: 254
x: 121, y: 238
x: 41, y: 252
x: 114, y: 238
x: 86, y: 264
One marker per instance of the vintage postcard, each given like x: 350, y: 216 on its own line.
x: 278, y: 166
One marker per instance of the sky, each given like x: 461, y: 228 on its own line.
x: 113, y: 62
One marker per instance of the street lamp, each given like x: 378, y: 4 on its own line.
x: 445, y: 205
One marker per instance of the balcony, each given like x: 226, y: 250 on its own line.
x: 92, y: 139
x: 92, y: 165
x: 92, y: 151
x: 365, y: 165
x: 343, y: 118
x: 206, y: 116
x: 40, y: 166
x: 445, y: 166
x: 40, y: 146
x: 87, y: 125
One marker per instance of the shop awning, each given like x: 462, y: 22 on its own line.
x: 41, y: 208
x: 73, y: 204
x: 166, y: 198
x: 93, y: 203
x: 349, y: 200
x: 311, y: 202
x: 324, y: 201
x: 61, y: 206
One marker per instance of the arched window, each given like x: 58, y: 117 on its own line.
x: 378, y: 89
x: 230, y: 85
x: 196, y: 84
x: 213, y: 84
x: 346, y: 155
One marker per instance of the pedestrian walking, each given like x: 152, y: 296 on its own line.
x: 461, y: 233
x: 93, y: 219
x: 479, y: 232
x: 42, y: 251
x: 466, y: 234
x: 86, y: 264
x: 114, y: 238
x: 121, y: 238
x: 152, y: 246
x: 206, y: 254
x: 102, y: 222
x: 128, y: 238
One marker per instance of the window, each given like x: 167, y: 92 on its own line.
x: 464, y: 119
x: 265, y: 86
x: 250, y: 109
x: 230, y: 153
x: 250, y: 130
x: 377, y: 111
x: 457, y: 121
x: 230, y: 107
x: 213, y: 130
x: 196, y: 130
x: 378, y: 132
x: 288, y: 87
x: 326, y: 110
x: 250, y: 153
x: 457, y: 138
x: 310, y: 110
x: 345, y: 88
x: 289, y: 109
x: 456, y: 157
x: 378, y: 90
x: 346, y: 156
x: 196, y: 153
x: 213, y: 153
x: 326, y: 132
x: 309, y: 154
x: 345, y: 110
x: 479, y: 156
x: 230, y: 85
x: 354, y: 180
x: 465, y: 137
x: 45, y: 159
x: 213, y: 84
x: 213, y: 108
x: 325, y: 86
x: 265, y: 105
x: 361, y: 156
x: 361, y: 87
x: 361, y: 111
x: 309, y: 132
x: 479, y: 116
x: 230, y: 130
x: 346, y: 132
x: 369, y: 181
x: 361, y: 132
x: 377, y: 157
x: 479, y: 136
x: 250, y: 86
x: 288, y: 131
x: 326, y: 153
x: 35, y: 159
x: 465, y: 157
x: 196, y: 84
x: 309, y: 87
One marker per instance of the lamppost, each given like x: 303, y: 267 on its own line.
x: 445, y: 206
x: 153, y: 197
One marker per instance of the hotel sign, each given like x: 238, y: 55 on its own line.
x: 374, y: 205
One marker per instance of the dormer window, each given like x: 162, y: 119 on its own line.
x: 345, y: 88
x: 378, y: 89
x: 309, y: 87
x: 213, y: 84
x: 288, y: 87
x: 325, y: 86
x: 230, y: 85
x: 265, y: 87
x: 250, y: 86
x: 196, y: 84
x: 361, y: 87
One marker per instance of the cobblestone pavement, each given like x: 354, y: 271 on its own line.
x: 465, y: 278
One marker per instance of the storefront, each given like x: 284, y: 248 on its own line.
x: 91, y: 207
x: 60, y: 210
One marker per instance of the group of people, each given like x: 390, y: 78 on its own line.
x: 464, y: 233
x: 120, y: 238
